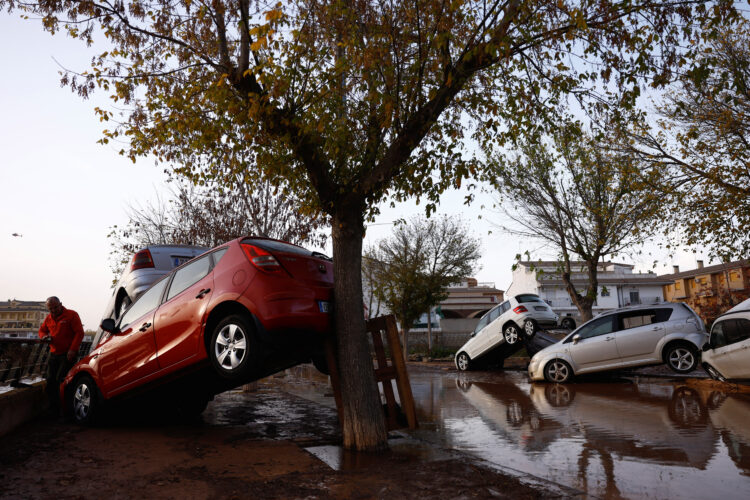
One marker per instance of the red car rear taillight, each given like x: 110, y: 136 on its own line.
x: 142, y: 260
x: 262, y: 259
x: 520, y: 309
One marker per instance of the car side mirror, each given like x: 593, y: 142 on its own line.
x: 109, y: 326
x: 576, y: 338
x: 706, y: 347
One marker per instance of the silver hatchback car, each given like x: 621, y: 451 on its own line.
x: 670, y: 333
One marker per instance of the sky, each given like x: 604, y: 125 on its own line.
x: 63, y: 192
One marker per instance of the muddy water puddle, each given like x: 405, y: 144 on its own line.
x: 613, y: 438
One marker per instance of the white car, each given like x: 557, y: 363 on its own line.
x: 670, y: 333
x: 500, y: 330
x: 727, y: 353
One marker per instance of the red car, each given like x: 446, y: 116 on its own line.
x: 241, y: 311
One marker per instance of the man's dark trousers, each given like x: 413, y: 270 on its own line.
x: 57, y: 367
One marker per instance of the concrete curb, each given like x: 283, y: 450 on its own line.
x: 20, y: 405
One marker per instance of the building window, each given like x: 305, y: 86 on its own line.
x: 678, y: 285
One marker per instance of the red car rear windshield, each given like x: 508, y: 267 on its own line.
x: 277, y: 246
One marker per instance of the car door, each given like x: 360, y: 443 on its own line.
x: 130, y: 355
x: 494, y: 330
x: 737, y: 331
x: 478, y: 342
x: 596, y: 346
x: 720, y: 350
x: 639, y: 333
x: 179, y: 320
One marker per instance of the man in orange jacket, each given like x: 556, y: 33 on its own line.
x: 62, y: 328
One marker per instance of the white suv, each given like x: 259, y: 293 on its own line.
x: 727, y: 353
x: 668, y: 333
x: 498, y: 333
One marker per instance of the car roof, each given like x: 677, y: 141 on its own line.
x: 743, y: 306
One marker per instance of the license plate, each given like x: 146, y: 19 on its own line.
x: 540, y: 308
x: 325, y: 306
x: 178, y: 261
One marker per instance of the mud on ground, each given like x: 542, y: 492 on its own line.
x: 246, y: 445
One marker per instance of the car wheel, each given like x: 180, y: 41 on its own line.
x: 681, y: 358
x: 714, y: 373
x: 83, y: 401
x: 511, y: 334
x: 568, y: 324
x: 463, y: 362
x: 529, y: 328
x: 557, y: 371
x: 232, y: 348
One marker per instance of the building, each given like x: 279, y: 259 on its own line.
x: 709, y: 290
x: 619, y: 286
x: 470, y: 299
x: 21, y: 319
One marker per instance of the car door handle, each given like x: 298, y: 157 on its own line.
x: 609, y: 338
x: 144, y: 327
x: 656, y: 328
x: 202, y: 293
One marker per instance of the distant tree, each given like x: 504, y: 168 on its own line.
x: 412, y: 269
x: 210, y: 215
x: 702, y: 147
x: 584, y: 201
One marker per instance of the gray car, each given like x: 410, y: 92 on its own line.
x: 670, y: 333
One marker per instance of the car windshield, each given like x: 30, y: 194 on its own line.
x: 528, y: 297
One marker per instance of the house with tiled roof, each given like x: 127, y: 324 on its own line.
x: 710, y: 290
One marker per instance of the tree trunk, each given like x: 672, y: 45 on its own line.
x: 583, y: 303
x: 364, y: 423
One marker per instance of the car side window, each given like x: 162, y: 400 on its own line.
x: 189, y: 275
x: 218, y: 254
x: 149, y: 301
x: 736, y: 330
x: 634, y: 319
x: 743, y: 329
x: 482, y: 323
x: 494, y: 314
x: 601, y: 326
x: 717, y: 335
x: 505, y: 305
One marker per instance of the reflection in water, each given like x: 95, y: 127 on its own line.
x: 615, y: 440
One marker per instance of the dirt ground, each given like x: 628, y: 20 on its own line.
x: 244, y: 446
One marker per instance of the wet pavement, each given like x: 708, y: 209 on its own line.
x: 610, y: 437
